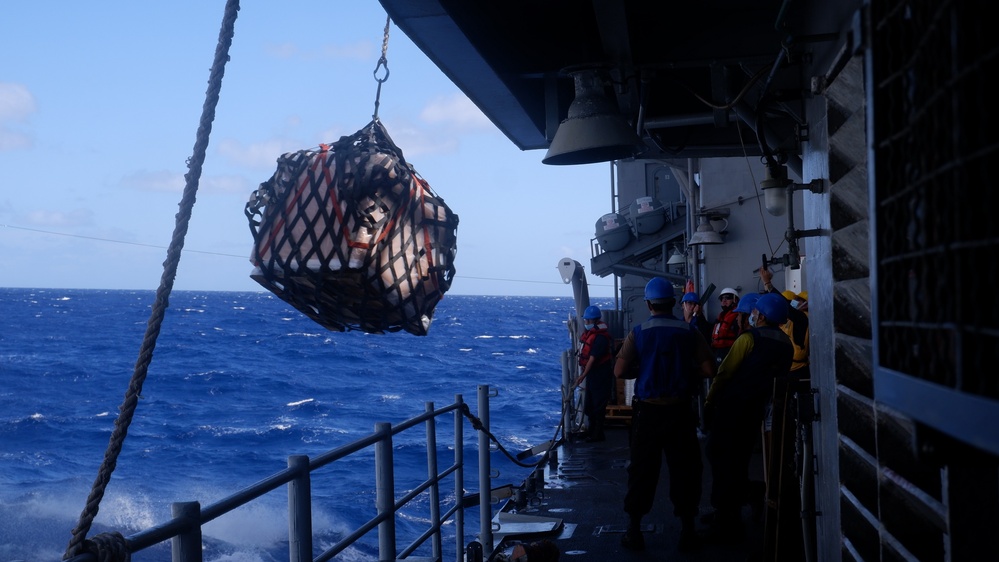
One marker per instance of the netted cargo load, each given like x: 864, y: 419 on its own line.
x: 353, y: 237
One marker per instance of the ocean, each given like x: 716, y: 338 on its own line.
x: 238, y: 382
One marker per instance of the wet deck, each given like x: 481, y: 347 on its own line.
x: 585, y: 490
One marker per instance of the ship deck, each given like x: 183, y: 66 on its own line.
x: 584, y: 487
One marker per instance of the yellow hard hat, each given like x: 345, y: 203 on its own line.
x: 804, y: 295
x: 789, y: 295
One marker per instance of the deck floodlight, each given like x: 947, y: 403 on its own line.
x: 676, y: 258
x: 705, y: 234
x: 594, y: 130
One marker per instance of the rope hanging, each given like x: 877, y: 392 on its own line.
x: 78, y: 544
x: 382, y: 63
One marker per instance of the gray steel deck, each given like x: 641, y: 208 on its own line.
x: 585, y: 489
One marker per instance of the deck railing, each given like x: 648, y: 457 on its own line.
x: 185, y: 529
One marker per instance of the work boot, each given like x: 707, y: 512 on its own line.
x: 727, y: 528
x: 689, y: 539
x: 633, y: 538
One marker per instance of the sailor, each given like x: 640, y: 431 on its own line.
x: 669, y: 355
x: 693, y: 312
x: 595, y: 359
x: 726, y: 327
x: 735, y: 408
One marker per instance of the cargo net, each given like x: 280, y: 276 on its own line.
x: 353, y: 237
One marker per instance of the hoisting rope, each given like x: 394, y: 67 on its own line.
x: 382, y: 63
x: 107, y: 544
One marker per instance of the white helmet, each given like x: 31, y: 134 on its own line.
x: 728, y: 291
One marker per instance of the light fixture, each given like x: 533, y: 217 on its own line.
x: 594, y: 130
x: 777, y: 188
x: 774, y: 186
x: 676, y: 258
x: 705, y: 234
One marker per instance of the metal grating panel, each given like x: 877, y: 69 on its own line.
x: 936, y: 142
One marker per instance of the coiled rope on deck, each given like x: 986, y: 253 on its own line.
x: 114, y: 541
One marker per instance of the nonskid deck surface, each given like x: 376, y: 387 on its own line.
x: 585, y: 491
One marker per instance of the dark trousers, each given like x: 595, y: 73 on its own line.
x: 599, y: 384
x: 668, y: 431
x: 733, y: 435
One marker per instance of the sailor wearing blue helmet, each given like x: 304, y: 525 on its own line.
x: 693, y: 313
x: 666, y: 357
x: 735, y: 408
x: 745, y: 309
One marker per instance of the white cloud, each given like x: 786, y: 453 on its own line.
x: 154, y: 181
x: 281, y: 50
x: 358, y: 51
x: 12, y: 140
x: 457, y: 112
x: 78, y: 217
x: 259, y: 156
x: 416, y: 142
x: 16, y: 102
x: 172, y: 182
x: 226, y: 184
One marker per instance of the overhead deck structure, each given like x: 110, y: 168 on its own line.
x: 885, y: 104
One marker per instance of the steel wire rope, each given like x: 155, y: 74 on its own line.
x: 106, y: 542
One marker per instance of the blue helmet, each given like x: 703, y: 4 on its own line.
x: 690, y: 297
x: 591, y: 313
x: 774, y: 307
x: 658, y: 289
x: 748, y: 303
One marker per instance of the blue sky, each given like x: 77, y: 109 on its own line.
x: 99, y: 110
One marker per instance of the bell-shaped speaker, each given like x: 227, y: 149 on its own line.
x: 705, y: 235
x: 593, y: 131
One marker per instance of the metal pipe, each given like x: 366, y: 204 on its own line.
x: 748, y: 116
x: 807, y: 463
x: 613, y: 167
x: 186, y: 546
x: 566, y: 393
x: 435, y: 507
x: 300, y: 510
x: 459, y: 479
x: 683, y: 120
x: 385, y: 491
x: 622, y: 269
x: 485, y: 476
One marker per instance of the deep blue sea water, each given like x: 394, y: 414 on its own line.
x: 238, y: 382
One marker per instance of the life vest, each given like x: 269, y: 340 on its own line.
x: 587, y: 339
x: 752, y: 382
x: 800, y: 359
x: 726, y: 329
x: 665, y: 348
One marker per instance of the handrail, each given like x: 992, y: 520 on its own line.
x: 185, y: 528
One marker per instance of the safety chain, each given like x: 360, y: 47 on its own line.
x: 382, y: 63
x: 478, y: 426
x: 77, y: 543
